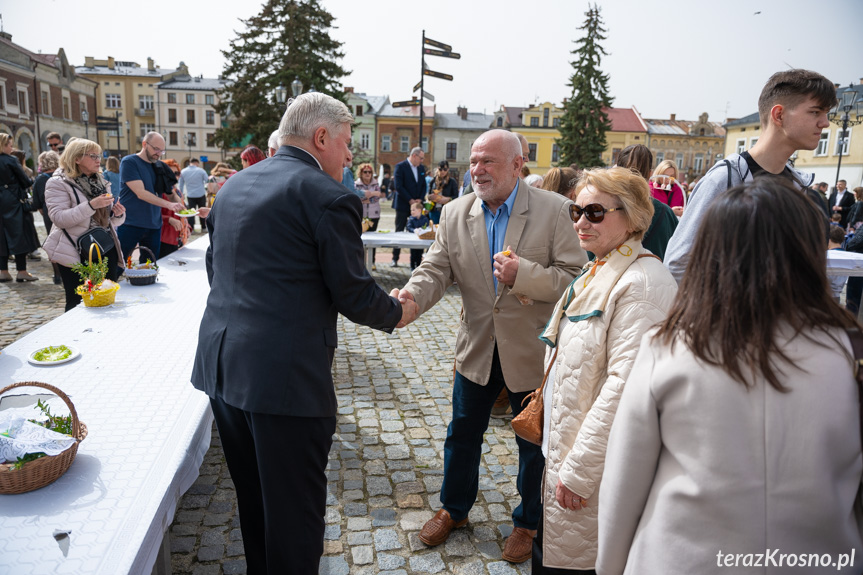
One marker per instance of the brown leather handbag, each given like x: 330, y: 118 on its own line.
x: 528, y: 423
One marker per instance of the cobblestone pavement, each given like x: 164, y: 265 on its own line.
x: 385, y: 468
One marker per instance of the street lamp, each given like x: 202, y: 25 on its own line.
x: 841, y: 116
x: 189, y: 142
x: 281, y: 94
x: 128, y: 137
x: 85, y: 117
x: 296, y: 86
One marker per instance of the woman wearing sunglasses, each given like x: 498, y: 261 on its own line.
x: 593, y: 336
x: 79, y: 199
x: 370, y: 193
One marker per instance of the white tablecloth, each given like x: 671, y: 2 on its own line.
x: 130, y: 383
x: 394, y: 240
x: 842, y: 263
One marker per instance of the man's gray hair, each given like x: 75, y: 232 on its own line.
x: 149, y: 136
x: 273, y: 142
x: 308, y: 112
x: 416, y: 151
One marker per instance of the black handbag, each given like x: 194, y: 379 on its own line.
x: 98, y: 235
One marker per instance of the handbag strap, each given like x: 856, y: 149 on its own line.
x: 856, y: 337
x: 544, y: 378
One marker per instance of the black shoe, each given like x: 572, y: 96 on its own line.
x: 394, y: 265
x: 57, y: 281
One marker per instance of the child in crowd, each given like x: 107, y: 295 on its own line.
x: 837, y: 238
x: 417, y: 221
x: 836, y: 221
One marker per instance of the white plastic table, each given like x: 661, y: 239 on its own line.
x: 149, y: 429
x: 841, y: 263
x: 408, y: 240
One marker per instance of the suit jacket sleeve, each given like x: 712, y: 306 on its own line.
x: 340, y: 251
x: 547, y: 283
x: 432, y: 278
x: 404, y: 195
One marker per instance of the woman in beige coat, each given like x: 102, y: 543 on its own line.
x: 78, y: 198
x: 736, y: 447
x: 594, y: 332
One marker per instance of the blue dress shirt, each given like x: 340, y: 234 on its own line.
x: 495, y: 227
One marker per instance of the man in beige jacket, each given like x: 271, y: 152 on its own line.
x: 513, y: 251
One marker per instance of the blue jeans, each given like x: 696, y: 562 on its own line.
x: 471, y: 408
x: 131, y: 236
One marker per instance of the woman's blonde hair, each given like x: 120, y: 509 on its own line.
x: 630, y: 189
x: 76, y: 148
x: 664, y: 165
x: 220, y: 169
x: 4, y: 139
x: 560, y: 180
x: 48, y: 162
x: 360, y: 169
x: 112, y: 164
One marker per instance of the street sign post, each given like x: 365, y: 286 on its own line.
x: 441, y: 53
x: 405, y: 103
x: 435, y: 43
x: 444, y: 51
x: 440, y: 75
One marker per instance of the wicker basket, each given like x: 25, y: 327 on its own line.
x: 100, y: 297
x: 429, y: 235
x: 143, y: 277
x: 40, y: 472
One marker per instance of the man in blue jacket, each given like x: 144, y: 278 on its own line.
x: 410, y: 178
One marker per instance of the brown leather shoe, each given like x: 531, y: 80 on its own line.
x: 437, y: 529
x: 519, y: 545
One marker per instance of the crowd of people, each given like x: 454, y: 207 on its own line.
x: 700, y: 390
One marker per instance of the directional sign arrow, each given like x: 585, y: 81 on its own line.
x: 437, y: 44
x: 428, y: 95
x: 440, y: 75
x: 441, y: 53
x: 417, y: 87
x: 404, y: 103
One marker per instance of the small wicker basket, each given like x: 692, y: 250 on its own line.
x: 145, y: 276
x: 40, y: 472
x: 100, y: 297
x: 429, y: 235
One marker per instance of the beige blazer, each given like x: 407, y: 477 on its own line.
x: 541, y: 234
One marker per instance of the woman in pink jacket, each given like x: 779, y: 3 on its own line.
x: 78, y: 199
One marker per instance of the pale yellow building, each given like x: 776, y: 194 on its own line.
x: 125, y: 90
x: 539, y: 124
x: 627, y: 129
x: 694, y: 146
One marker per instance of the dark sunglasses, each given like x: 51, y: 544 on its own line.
x: 367, y: 172
x: 594, y: 213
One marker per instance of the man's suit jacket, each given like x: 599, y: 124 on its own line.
x: 407, y: 188
x: 540, y: 232
x: 285, y: 258
x: 845, y: 203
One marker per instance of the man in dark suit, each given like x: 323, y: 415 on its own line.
x: 410, y: 182
x: 841, y: 201
x: 285, y: 258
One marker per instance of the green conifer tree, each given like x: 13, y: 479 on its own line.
x: 289, y: 39
x: 585, y: 121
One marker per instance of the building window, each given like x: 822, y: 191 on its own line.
x: 209, y: 99
x: 679, y: 161
x: 190, y: 116
x: 145, y: 102
x: 531, y: 154
x: 555, y: 153
x: 660, y: 157
x: 698, y: 166
x: 67, y: 108
x: 146, y: 129
x: 172, y: 98
x: 172, y: 116
x: 190, y: 98
x: 821, y: 150
x: 425, y: 144
x: 46, y: 103
x: 741, y: 145
x: 359, y: 111
x: 172, y: 138
x: 752, y: 142
x: 556, y: 122
x: 500, y: 121
x: 451, y: 150
x: 364, y: 141
x: 211, y: 140
x: 2, y: 96
x: 191, y: 139
x: 405, y: 145
x: 211, y: 117
x: 842, y: 141
x: 545, y: 118
x: 22, y: 102
x: 386, y: 143
x: 113, y: 101
x: 534, y: 122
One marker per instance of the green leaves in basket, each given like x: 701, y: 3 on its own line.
x: 59, y: 423
x: 94, y: 273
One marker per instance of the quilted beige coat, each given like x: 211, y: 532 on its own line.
x: 69, y: 215
x: 595, y: 357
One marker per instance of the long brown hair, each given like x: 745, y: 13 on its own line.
x: 758, y: 263
x: 560, y: 180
